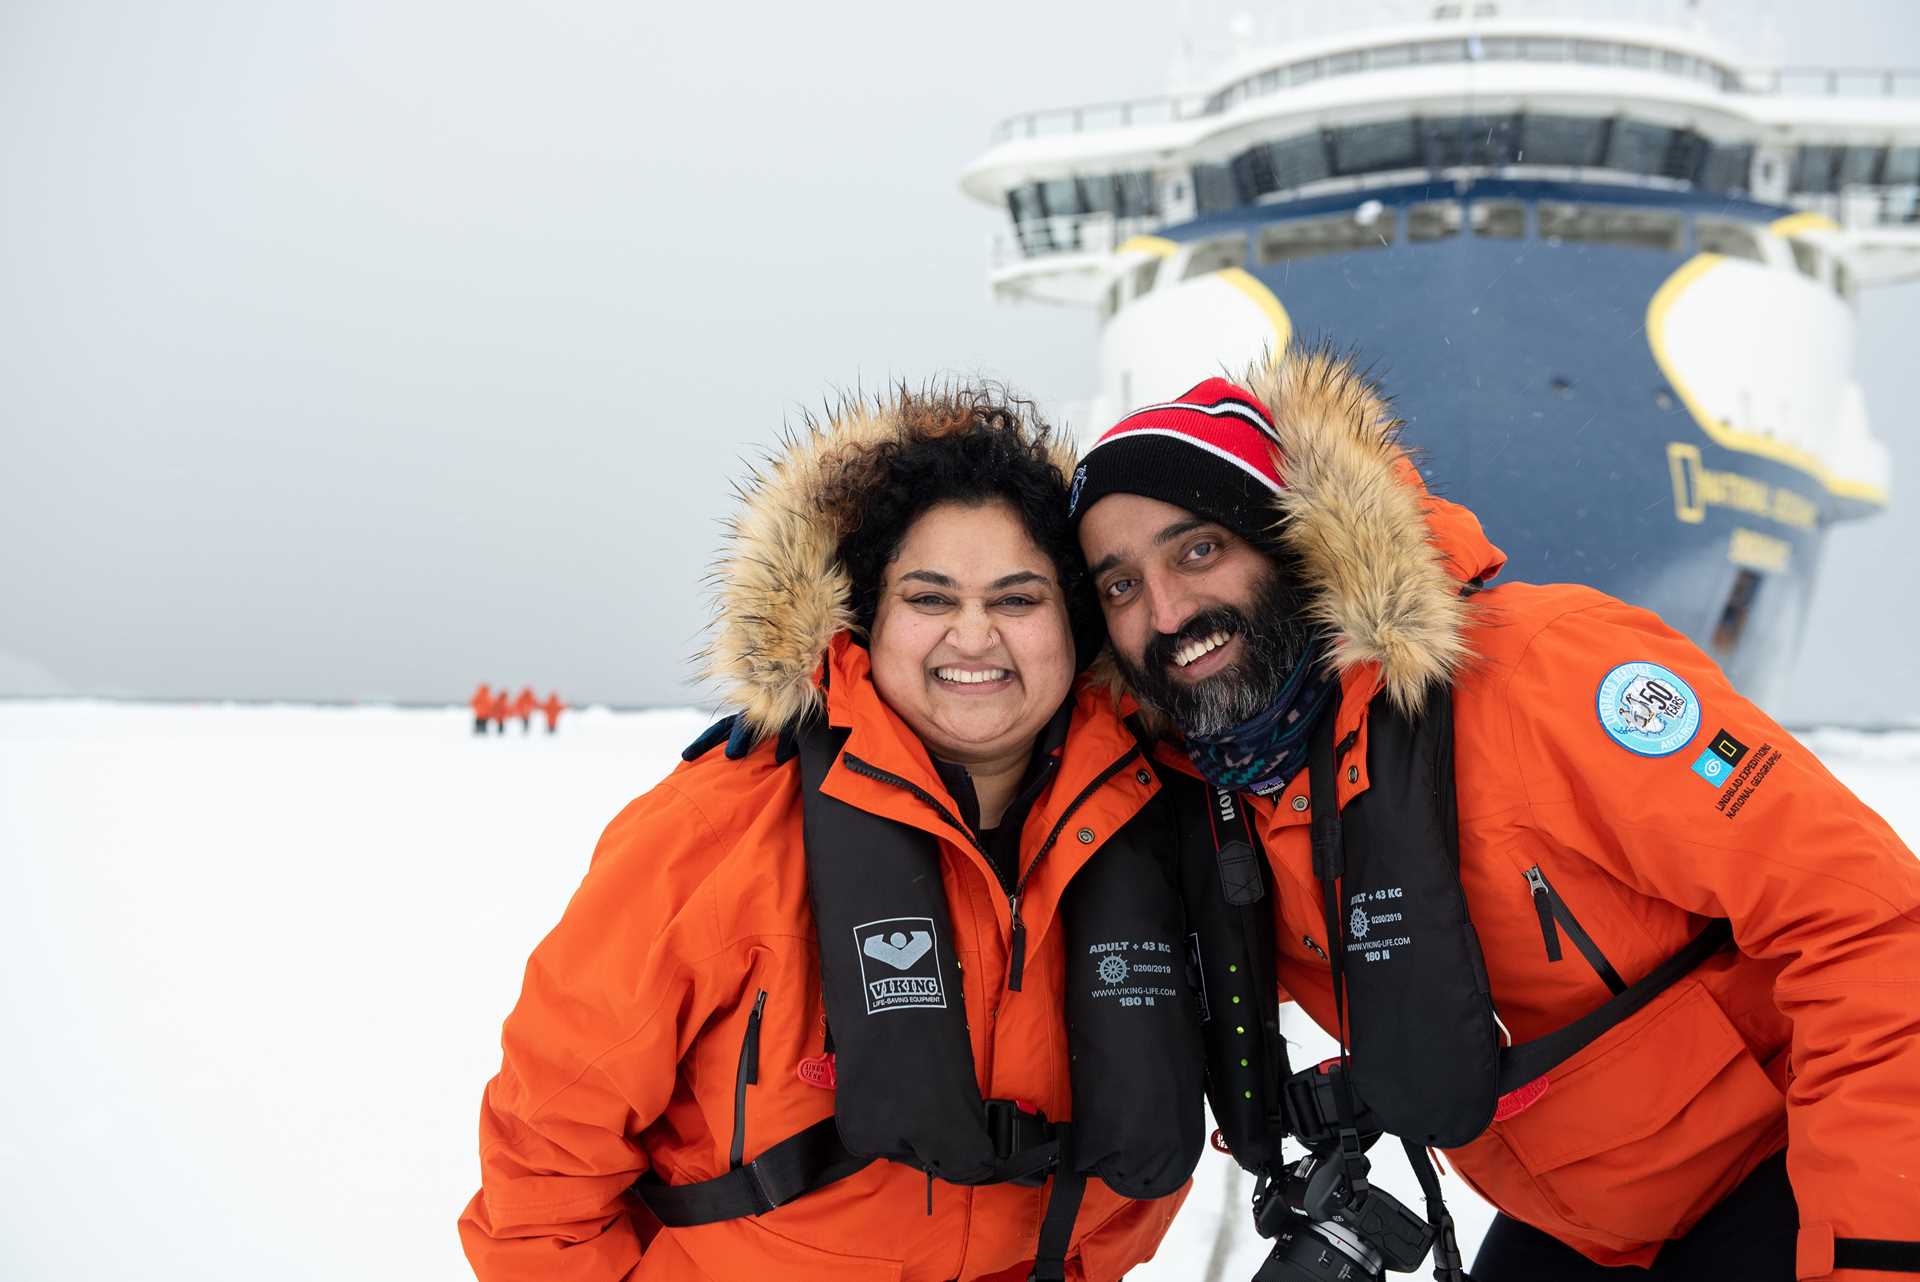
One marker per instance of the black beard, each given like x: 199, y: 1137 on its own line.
x: 1276, y: 635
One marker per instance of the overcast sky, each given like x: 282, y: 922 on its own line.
x: 370, y: 350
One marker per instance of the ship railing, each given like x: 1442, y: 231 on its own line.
x: 1863, y: 206
x: 1122, y: 114
x: 1834, y: 82
x: 1039, y: 238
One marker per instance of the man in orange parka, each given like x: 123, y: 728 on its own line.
x: 1266, y: 555
x: 523, y: 705
x: 501, y: 710
x: 482, y: 704
x: 552, y: 708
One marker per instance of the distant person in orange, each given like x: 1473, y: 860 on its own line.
x: 523, y: 705
x: 553, y: 708
x: 501, y: 710
x: 482, y: 704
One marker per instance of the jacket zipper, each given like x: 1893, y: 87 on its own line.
x: 1309, y: 942
x: 1551, y: 908
x: 1017, y: 961
x: 748, y: 1074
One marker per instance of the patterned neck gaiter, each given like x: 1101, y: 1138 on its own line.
x: 1263, y: 753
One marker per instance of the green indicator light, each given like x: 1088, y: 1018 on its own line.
x: 1234, y: 969
x: 1238, y: 1029
x: 1249, y: 1094
x: 1243, y: 1063
x: 1236, y: 1000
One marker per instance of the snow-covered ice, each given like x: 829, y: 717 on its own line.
x: 256, y: 960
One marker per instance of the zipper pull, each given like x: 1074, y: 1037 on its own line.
x: 1543, y: 907
x: 1017, y: 964
x: 752, y: 1052
x: 1308, y: 941
x: 929, y: 1190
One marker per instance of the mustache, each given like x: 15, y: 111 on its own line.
x: 1159, y: 652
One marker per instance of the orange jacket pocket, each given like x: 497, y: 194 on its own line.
x: 1638, y: 1139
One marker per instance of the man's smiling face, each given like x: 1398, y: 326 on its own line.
x: 1205, y: 625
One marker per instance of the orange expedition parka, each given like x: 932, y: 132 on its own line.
x: 482, y: 702
x: 622, y: 1056
x: 1586, y: 864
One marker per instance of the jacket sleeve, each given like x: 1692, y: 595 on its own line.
x: 589, y: 1058
x: 1807, y: 874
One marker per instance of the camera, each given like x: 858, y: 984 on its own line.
x: 1325, y: 1226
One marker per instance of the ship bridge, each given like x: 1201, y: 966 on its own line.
x: 1458, y: 98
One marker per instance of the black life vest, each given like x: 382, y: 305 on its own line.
x: 906, y: 1089
x: 1426, y: 1053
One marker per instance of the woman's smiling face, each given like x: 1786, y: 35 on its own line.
x: 970, y: 641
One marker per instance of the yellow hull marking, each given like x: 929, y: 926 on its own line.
x: 1158, y: 246
x: 1720, y: 432
x: 1263, y: 298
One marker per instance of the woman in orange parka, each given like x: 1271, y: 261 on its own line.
x: 482, y: 704
x: 904, y: 571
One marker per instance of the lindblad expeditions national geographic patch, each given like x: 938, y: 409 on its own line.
x: 1648, y: 709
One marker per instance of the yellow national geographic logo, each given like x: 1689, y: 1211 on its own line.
x: 1697, y: 488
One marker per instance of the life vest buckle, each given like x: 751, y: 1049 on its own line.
x: 1017, y: 1130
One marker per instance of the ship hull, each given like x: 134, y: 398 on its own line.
x: 1632, y: 418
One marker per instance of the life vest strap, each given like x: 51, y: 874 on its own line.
x: 1522, y: 1064
x: 811, y: 1159
x: 1026, y: 1145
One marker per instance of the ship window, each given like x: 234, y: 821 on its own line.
x: 1442, y: 51
x: 1562, y: 140
x: 1268, y: 82
x: 1596, y: 51
x: 1675, y: 63
x: 1343, y: 64
x: 1903, y: 166
x: 1024, y: 204
x: 1637, y: 147
x: 1686, y: 153
x: 1499, y: 49
x: 1612, y: 225
x: 1499, y: 219
x: 1216, y: 255
x: 1302, y: 72
x: 1734, y: 240
x: 1545, y: 50
x: 1433, y: 220
x: 1145, y: 275
x: 1470, y: 140
x: 1813, y: 168
x: 1805, y: 257
x: 1062, y: 197
x: 1388, y: 56
x: 1253, y: 171
x: 1728, y: 169
x: 1860, y: 164
x: 1135, y: 193
x: 1213, y: 189
x: 1389, y: 144
x: 1098, y: 193
x: 1300, y: 160
x: 1311, y: 237
x: 1636, y: 56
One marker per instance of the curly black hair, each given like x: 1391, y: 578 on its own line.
x: 969, y: 446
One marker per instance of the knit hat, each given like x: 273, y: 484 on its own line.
x: 1213, y: 452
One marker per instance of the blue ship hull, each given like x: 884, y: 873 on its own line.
x: 1531, y: 394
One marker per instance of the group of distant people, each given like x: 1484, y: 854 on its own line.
x: 491, y: 709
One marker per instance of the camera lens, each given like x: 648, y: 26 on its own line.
x: 1323, y: 1252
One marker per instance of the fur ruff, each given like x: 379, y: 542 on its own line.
x: 1353, y: 511
x: 780, y: 594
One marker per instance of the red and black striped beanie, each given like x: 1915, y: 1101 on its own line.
x: 1213, y: 452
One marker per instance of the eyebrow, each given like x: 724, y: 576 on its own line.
x: 1168, y: 535
x: 1004, y: 581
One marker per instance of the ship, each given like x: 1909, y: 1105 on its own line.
x: 1606, y: 270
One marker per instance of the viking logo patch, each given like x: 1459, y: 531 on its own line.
x: 899, y: 966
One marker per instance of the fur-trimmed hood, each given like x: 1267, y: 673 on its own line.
x: 780, y: 593
x: 1385, y: 560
